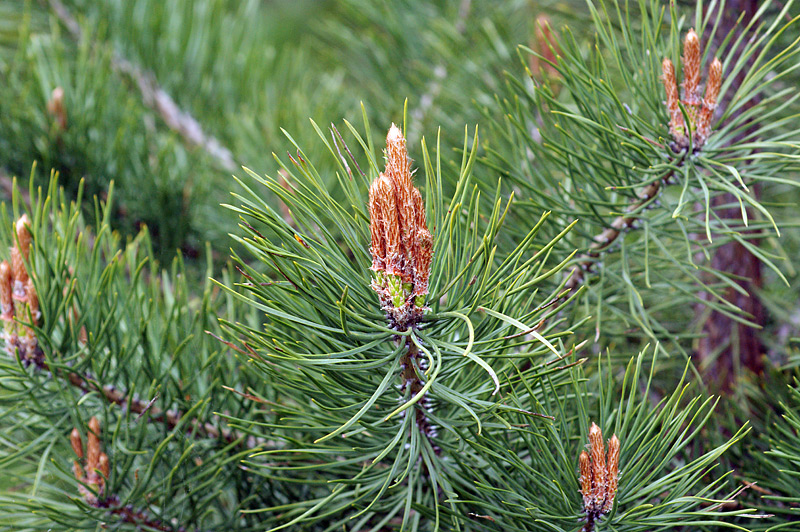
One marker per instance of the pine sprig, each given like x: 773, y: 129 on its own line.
x: 389, y: 398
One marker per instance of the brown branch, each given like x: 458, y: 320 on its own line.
x: 157, y: 98
x: 413, y: 383
x: 133, y: 516
x: 171, y: 418
x: 603, y: 241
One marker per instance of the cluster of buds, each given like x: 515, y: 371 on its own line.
x: 94, y: 473
x: 401, y: 246
x: 599, y: 476
x: 699, y: 111
x: 18, y: 300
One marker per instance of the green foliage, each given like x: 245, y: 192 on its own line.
x: 280, y: 396
x: 336, y: 365
x: 113, y: 324
x: 591, y: 141
x: 528, y: 479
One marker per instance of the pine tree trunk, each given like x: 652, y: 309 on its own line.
x: 728, y: 346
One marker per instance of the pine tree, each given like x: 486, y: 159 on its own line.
x: 515, y: 326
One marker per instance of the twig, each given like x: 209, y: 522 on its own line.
x: 609, y: 235
x: 170, y: 418
x: 157, y: 98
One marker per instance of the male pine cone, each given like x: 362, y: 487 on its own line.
x: 401, y: 245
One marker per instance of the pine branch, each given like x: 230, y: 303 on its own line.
x: 157, y: 98
x: 604, y: 240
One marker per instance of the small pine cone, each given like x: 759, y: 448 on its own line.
x: 586, y: 479
x: 599, y: 472
x: 33, y: 301
x: 19, y: 272
x: 676, y: 124
x: 710, y: 101
x: 93, y: 446
x: 6, y: 290
x: 691, y: 68
x: 613, y: 472
x: 77, y: 443
x: 24, y: 235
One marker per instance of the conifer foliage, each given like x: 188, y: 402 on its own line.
x: 514, y: 335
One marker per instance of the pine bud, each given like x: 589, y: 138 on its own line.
x: 710, y: 101
x: 400, y: 243
x: 93, y: 447
x: 546, y: 48
x: 33, y: 301
x: 613, y: 472
x: 77, y: 443
x: 691, y: 68
x: 19, y: 273
x: 599, y: 471
x: 6, y: 290
x: 676, y: 124
x: 599, y: 474
x: 103, y: 467
x: 586, y: 478
x: 699, y: 111
x: 24, y: 235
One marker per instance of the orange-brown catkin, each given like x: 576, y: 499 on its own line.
x: 598, y: 456
x: 378, y: 242
x: 691, y: 68
x: 710, y: 101
x: 6, y: 290
x: 23, y: 235
x: 676, y: 125
x: 33, y: 300
x: 586, y: 478
x: 386, y: 200
x: 613, y: 472
x: 93, y: 445
x: 76, y: 442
